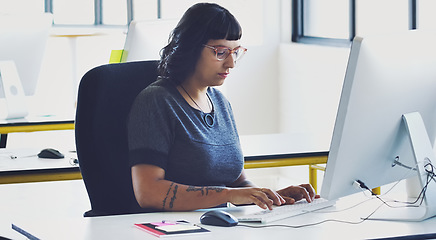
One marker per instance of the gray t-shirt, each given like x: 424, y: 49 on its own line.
x: 165, y: 131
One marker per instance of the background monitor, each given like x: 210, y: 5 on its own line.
x: 145, y: 39
x: 23, y: 40
x: 386, y: 77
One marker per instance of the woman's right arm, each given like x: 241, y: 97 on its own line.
x: 153, y: 191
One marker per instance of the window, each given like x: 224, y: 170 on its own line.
x: 99, y: 12
x: 323, y: 22
x: 319, y: 20
x: 145, y: 10
x: 89, y: 12
x: 381, y: 16
x: 114, y: 12
x: 66, y: 12
x: 120, y: 12
x: 313, y: 21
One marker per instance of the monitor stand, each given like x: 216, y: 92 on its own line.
x: 423, y: 154
x: 12, y: 90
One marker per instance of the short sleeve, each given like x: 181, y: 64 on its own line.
x: 149, y: 127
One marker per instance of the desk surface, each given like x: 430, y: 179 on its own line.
x: 53, y: 210
x: 33, y: 124
x: 37, y: 120
x: 255, y: 147
x: 23, y: 165
x: 281, y: 144
x: 19, y: 160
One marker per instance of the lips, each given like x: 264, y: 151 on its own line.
x: 223, y: 75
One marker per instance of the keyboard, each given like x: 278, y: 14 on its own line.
x: 285, y: 211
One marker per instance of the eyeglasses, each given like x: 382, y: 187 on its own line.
x: 221, y: 53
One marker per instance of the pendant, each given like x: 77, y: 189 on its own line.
x: 209, y: 120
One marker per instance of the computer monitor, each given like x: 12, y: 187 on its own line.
x: 386, y: 121
x: 23, y: 40
x: 146, y: 38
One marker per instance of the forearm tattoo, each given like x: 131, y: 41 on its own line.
x: 165, y: 200
x: 174, y: 187
x: 174, y: 196
x: 204, y: 190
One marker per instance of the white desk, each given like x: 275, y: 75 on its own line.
x: 270, y: 150
x: 53, y: 210
x: 281, y: 144
x: 23, y: 165
x: 279, y: 150
x: 34, y: 123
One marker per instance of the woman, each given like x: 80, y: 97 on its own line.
x: 184, y: 147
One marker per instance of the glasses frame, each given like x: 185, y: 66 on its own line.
x: 231, y: 51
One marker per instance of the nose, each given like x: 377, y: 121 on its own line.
x: 229, y: 62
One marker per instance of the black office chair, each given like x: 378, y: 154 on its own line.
x: 105, y: 96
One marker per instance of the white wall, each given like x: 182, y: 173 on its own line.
x: 310, y: 82
x: 252, y: 87
x: 287, y: 87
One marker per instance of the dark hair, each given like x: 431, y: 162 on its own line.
x: 199, y: 24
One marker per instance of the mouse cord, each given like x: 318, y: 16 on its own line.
x: 313, y: 224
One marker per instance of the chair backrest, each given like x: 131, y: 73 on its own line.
x: 105, y: 96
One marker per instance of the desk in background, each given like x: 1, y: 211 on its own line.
x: 30, y: 168
x: 33, y: 124
x: 280, y: 150
x: 53, y: 210
x: 272, y: 150
x: 23, y: 165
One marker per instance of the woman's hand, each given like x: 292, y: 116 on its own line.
x: 262, y: 197
x: 293, y: 194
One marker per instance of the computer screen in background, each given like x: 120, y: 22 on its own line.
x: 23, y: 41
x: 386, y: 122
x: 145, y: 39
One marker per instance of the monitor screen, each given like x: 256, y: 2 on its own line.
x: 386, y: 78
x: 145, y: 39
x: 23, y: 40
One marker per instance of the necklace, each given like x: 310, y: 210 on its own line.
x: 208, y: 104
x: 208, y: 117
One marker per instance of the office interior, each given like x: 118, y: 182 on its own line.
x: 267, y: 89
x: 280, y: 86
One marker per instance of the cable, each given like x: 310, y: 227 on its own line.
x: 320, y: 222
x: 344, y: 209
x: 313, y: 224
x: 397, y: 162
x: 405, y: 176
x: 363, y: 186
x: 302, y: 226
x: 430, y: 176
x: 429, y: 168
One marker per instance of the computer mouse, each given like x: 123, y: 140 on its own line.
x: 218, y: 218
x: 50, y: 153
